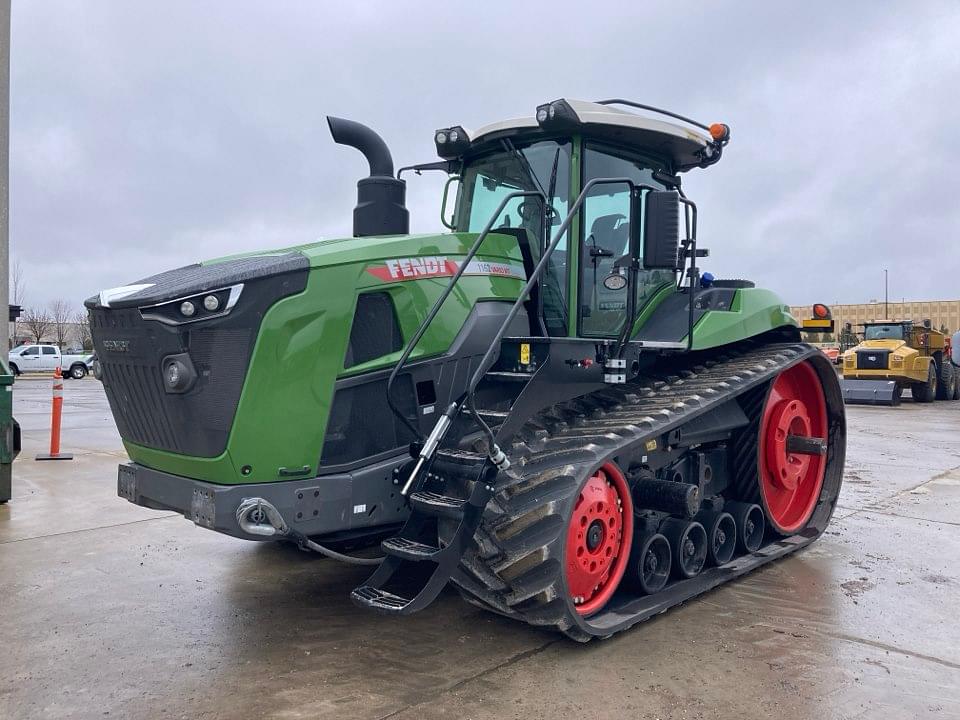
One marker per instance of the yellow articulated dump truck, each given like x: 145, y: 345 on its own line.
x: 895, y: 355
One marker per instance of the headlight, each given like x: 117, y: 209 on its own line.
x: 194, y: 308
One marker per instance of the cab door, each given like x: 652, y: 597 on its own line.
x: 49, y: 357
x: 30, y: 359
x: 605, y: 238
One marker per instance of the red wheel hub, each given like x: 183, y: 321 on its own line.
x: 790, y: 482
x: 598, y: 539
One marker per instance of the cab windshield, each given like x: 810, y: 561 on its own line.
x: 883, y: 332
x: 542, y: 166
x: 489, y: 178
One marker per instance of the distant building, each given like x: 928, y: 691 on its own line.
x: 941, y: 313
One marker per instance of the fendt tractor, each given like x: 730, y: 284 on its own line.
x: 549, y: 406
x: 895, y: 355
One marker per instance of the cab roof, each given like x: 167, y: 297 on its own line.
x: 684, y: 146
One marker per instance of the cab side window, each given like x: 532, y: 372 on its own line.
x: 34, y: 350
x: 49, y: 351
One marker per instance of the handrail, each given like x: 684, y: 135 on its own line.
x: 690, y: 223
x: 486, y: 361
x: 651, y: 108
x: 412, y: 343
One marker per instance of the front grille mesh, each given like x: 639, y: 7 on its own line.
x: 140, y: 392
x: 872, y: 359
x: 195, y: 423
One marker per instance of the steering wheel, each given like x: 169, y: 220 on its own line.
x: 529, y: 209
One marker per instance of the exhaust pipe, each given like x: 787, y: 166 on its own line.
x: 381, y: 198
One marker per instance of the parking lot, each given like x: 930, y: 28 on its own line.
x: 111, y: 610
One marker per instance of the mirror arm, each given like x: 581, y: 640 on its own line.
x: 443, y: 203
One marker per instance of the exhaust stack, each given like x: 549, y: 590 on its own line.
x: 381, y: 198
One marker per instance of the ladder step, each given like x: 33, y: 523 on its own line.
x: 494, y: 417
x: 436, y: 504
x: 379, y: 600
x: 406, y: 549
x: 506, y: 376
x: 456, y: 456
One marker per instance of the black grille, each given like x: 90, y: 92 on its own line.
x: 375, y: 331
x: 131, y: 350
x: 361, y: 423
x: 872, y: 359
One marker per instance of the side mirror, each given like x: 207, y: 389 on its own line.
x: 449, y: 224
x: 661, y: 228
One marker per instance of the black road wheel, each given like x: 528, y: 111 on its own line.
x: 78, y: 371
x: 14, y: 369
x: 721, y: 534
x: 688, y: 545
x: 947, y: 385
x: 926, y: 392
x: 649, y: 564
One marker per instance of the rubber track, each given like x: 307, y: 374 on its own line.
x: 514, y: 565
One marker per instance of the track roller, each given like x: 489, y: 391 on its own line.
x: 688, y: 545
x: 721, y: 536
x: 649, y: 566
x: 750, y: 525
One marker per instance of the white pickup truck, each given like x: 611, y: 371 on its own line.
x: 44, y: 358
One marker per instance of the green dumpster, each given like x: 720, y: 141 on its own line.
x: 9, y: 432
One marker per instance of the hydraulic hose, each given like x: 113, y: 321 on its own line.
x: 334, y: 555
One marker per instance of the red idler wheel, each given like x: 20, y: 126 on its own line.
x: 599, y: 535
x: 791, y: 478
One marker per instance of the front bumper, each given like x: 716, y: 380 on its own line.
x: 346, y: 504
x: 903, y: 376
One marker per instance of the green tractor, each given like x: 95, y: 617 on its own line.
x: 550, y: 406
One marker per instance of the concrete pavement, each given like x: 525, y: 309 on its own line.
x: 110, y: 610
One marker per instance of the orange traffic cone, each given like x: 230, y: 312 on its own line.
x: 56, y: 413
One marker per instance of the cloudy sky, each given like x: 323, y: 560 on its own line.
x: 147, y: 135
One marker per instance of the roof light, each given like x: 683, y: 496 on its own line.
x: 557, y: 115
x: 451, y: 142
x: 821, y: 311
x: 720, y: 132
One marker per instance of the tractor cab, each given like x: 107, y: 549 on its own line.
x: 535, y: 168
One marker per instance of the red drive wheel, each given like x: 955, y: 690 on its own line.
x: 793, y: 434
x: 599, y: 535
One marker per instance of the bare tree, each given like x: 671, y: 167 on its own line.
x: 60, y: 316
x: 18, y: 285
x: 38, y: 323
x: 17, y: 290
x: 81, y: 322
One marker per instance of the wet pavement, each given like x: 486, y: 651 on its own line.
x: 110, y: 610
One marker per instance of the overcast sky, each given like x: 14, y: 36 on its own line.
x: 148, y: 135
